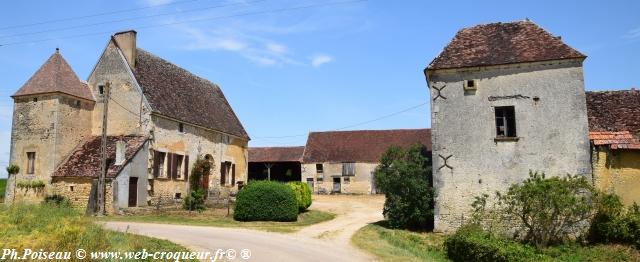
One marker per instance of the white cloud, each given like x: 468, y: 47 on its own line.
x: 276, y: 48
x: 633, y: 33
x: 319, y: 60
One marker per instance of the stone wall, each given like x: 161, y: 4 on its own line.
x: 361, y: 183
x: 551, y: 125
x: 617, y: 171
x: 78, y: 189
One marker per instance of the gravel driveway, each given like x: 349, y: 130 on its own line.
x: 327, y: 241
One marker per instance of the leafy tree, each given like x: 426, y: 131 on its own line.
x: 13, y: 169
x: 542, y: 210
x: 404, y: 176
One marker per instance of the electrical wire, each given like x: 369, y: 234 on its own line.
x: 280, y: 10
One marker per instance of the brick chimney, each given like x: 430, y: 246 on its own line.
x: 126, y: 40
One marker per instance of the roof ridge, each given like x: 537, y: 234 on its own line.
x: 371, y: 130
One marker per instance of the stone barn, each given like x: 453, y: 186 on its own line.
x: 614, y: 130
x: 160, y: 120
x: 275, y: 163
x: 344, y: 161
x: 506, y: 99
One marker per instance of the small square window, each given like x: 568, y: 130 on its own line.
x: 181, y: 128
x: 35, y: 99
x: 101, y: 89
x: 71, y: 188
x: 77, y: 102
x: 471, y: 83
x: 319, y: 168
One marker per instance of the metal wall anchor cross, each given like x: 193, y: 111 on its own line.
x: 445, y: 162
x: 439, y: 95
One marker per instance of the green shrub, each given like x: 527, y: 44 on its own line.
x: 13, y: 169
x: 404, y: 176
x: 195, y: 201
x: 303, y: 194
x: 471, y: 243
x: 613, y: 224
x: 266, y: 201
x: 57, y: 200
x: 543, y: 211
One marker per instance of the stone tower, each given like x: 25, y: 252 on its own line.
x: 506, y: 98
x: 51, y: 115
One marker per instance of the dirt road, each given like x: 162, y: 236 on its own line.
x: 327, y: 241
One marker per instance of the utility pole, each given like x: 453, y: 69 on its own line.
x: 103, y: 162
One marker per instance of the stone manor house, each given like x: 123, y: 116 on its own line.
x: 507, y: 98
x: 160, y: 119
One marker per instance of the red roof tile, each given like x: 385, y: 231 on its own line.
x: 615, y: 140
x: 614, y: 111
x: 502, y: 43
x: 55, y: 75
x: 276, y: 154
x: 85, y: 160
x: 360, y: 146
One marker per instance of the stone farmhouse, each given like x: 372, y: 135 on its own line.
x: 614, y: 131
x: 506, y: 98
x: 275, y: 163
x: 344, y: 161
x: 160, y: 119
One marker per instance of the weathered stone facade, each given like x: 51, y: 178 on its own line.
x: 55, y: 119
x: 360, y: 183
x: 472, y: 153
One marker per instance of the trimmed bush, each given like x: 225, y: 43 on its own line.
x: 613, y: 224
x: 266, y: 201
x: 57, y: 200
x: 303, y: 194
x: 471, y: 243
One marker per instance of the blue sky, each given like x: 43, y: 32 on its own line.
x: 310, y: 69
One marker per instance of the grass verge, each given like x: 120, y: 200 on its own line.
x: 56, y: 229
x: 399, y: 245
x: 215, y: 219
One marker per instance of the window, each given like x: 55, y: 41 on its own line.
x: 471, y: 83
x: 101, y: 89
x: 349, y: 169
x: 181, y: 128
x: 346, y: 179
x: 505, y: 121
x: 31, y: 162
x: 78, y: 103
x: 179, y: 167
x: 319, y: 168
x: 161, y: 164
x: 227, y: 173
x: 35, y: 99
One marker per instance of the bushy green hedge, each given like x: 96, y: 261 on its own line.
x: 266, y: 201
x: 303, y: 194
x: 471, y: 243
x: 194, y: 201
x: 613, y: 224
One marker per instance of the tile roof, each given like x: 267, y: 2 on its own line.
x: 176, y: 93
x: 614, y: 111
x: 615, y: 140
x: 54, y: 76
x: 360, y: 146
x: 276, y: 154
x: 85, y: 159
x: 502, y: 43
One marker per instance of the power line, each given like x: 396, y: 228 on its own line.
x: 93, y: 15
x: 354, y: 125
x: 126, y: 109
x: 193, y: 21
x: 130, y: 19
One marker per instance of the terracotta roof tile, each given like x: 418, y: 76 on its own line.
x: 55, y: 75
x: 360, y: 146
x: 276, y: 154
x: 614, y: 111
x: 502, y: 43
x: 85, y: 159
x: 176, y: 93
x: 615, y: 140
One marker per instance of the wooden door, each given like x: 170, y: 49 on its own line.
x: 336, y: 185
x: 133, y: 191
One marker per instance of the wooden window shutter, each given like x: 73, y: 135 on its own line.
x: 223, y: 166
x: 174, y: 166
x: 186, y: 168
x: 156, y: 164
x: 233, y: 174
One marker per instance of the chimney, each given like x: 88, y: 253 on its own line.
x: 126, y: 40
